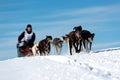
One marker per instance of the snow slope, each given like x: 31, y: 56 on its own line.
x: 99, y: 65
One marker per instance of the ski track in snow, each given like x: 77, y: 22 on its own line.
x: 102, y: 65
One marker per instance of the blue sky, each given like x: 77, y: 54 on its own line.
x: 57, y: 18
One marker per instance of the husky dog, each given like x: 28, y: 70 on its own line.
x: 66, y: 39
x: 75, y: 39
x: 42, y: 47
x: 57, y: 45
x: 35, y: 49
x: 87, y: 39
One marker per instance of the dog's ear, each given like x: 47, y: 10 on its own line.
x: 62, y: 38
x: 93, y: 34
x: 74, y: 28
x: 59, y: 40
x: 50, y: 37
x: 80, y: 27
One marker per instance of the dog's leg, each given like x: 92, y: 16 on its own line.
x: 70, y: 47
x: 75, y: 47
x: 33, y: 51
x: 90, y: 45
x: 67, y: 41
x: 43, y: 54
x: 38, y: 52
x: 80, y: 45
x: 53, y: 49
x: 60, y: 50
x: 56, y: 49
x: 86, y: 44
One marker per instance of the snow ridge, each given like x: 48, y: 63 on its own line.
x: 105, y: 65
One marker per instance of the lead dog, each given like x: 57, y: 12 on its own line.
x: 87, y: 39
x: 73, y: 40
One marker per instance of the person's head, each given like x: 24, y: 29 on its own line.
x: 29, y: 28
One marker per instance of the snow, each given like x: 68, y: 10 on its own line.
x: 99, y: 65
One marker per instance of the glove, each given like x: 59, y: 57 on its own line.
x: 17, y: 45
x: 19, y: 41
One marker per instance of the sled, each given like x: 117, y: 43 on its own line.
x: 23, y: 50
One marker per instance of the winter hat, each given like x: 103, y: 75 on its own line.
x: 29, y: 25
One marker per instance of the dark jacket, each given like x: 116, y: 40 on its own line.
x: 30, y: 42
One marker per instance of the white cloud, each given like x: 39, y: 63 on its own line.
x: 83, y: 15
x: 89, y: 15
x: 93, y: 15
x: 86, y: 12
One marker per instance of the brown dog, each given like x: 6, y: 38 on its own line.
x: 57, y: 44
x: 75, y: 39
x: 42, y: 47
x: 66, y: 39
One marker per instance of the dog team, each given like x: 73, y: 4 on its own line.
x: 74, y: 40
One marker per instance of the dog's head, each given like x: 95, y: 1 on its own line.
x: 91, y: 37
x: 65, y: 38
x: 49, y: 38
x: 60, y: 42
x: 56, y: 41
x: 78, y: 28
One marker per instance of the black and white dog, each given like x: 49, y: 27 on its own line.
x: 87, y: 39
